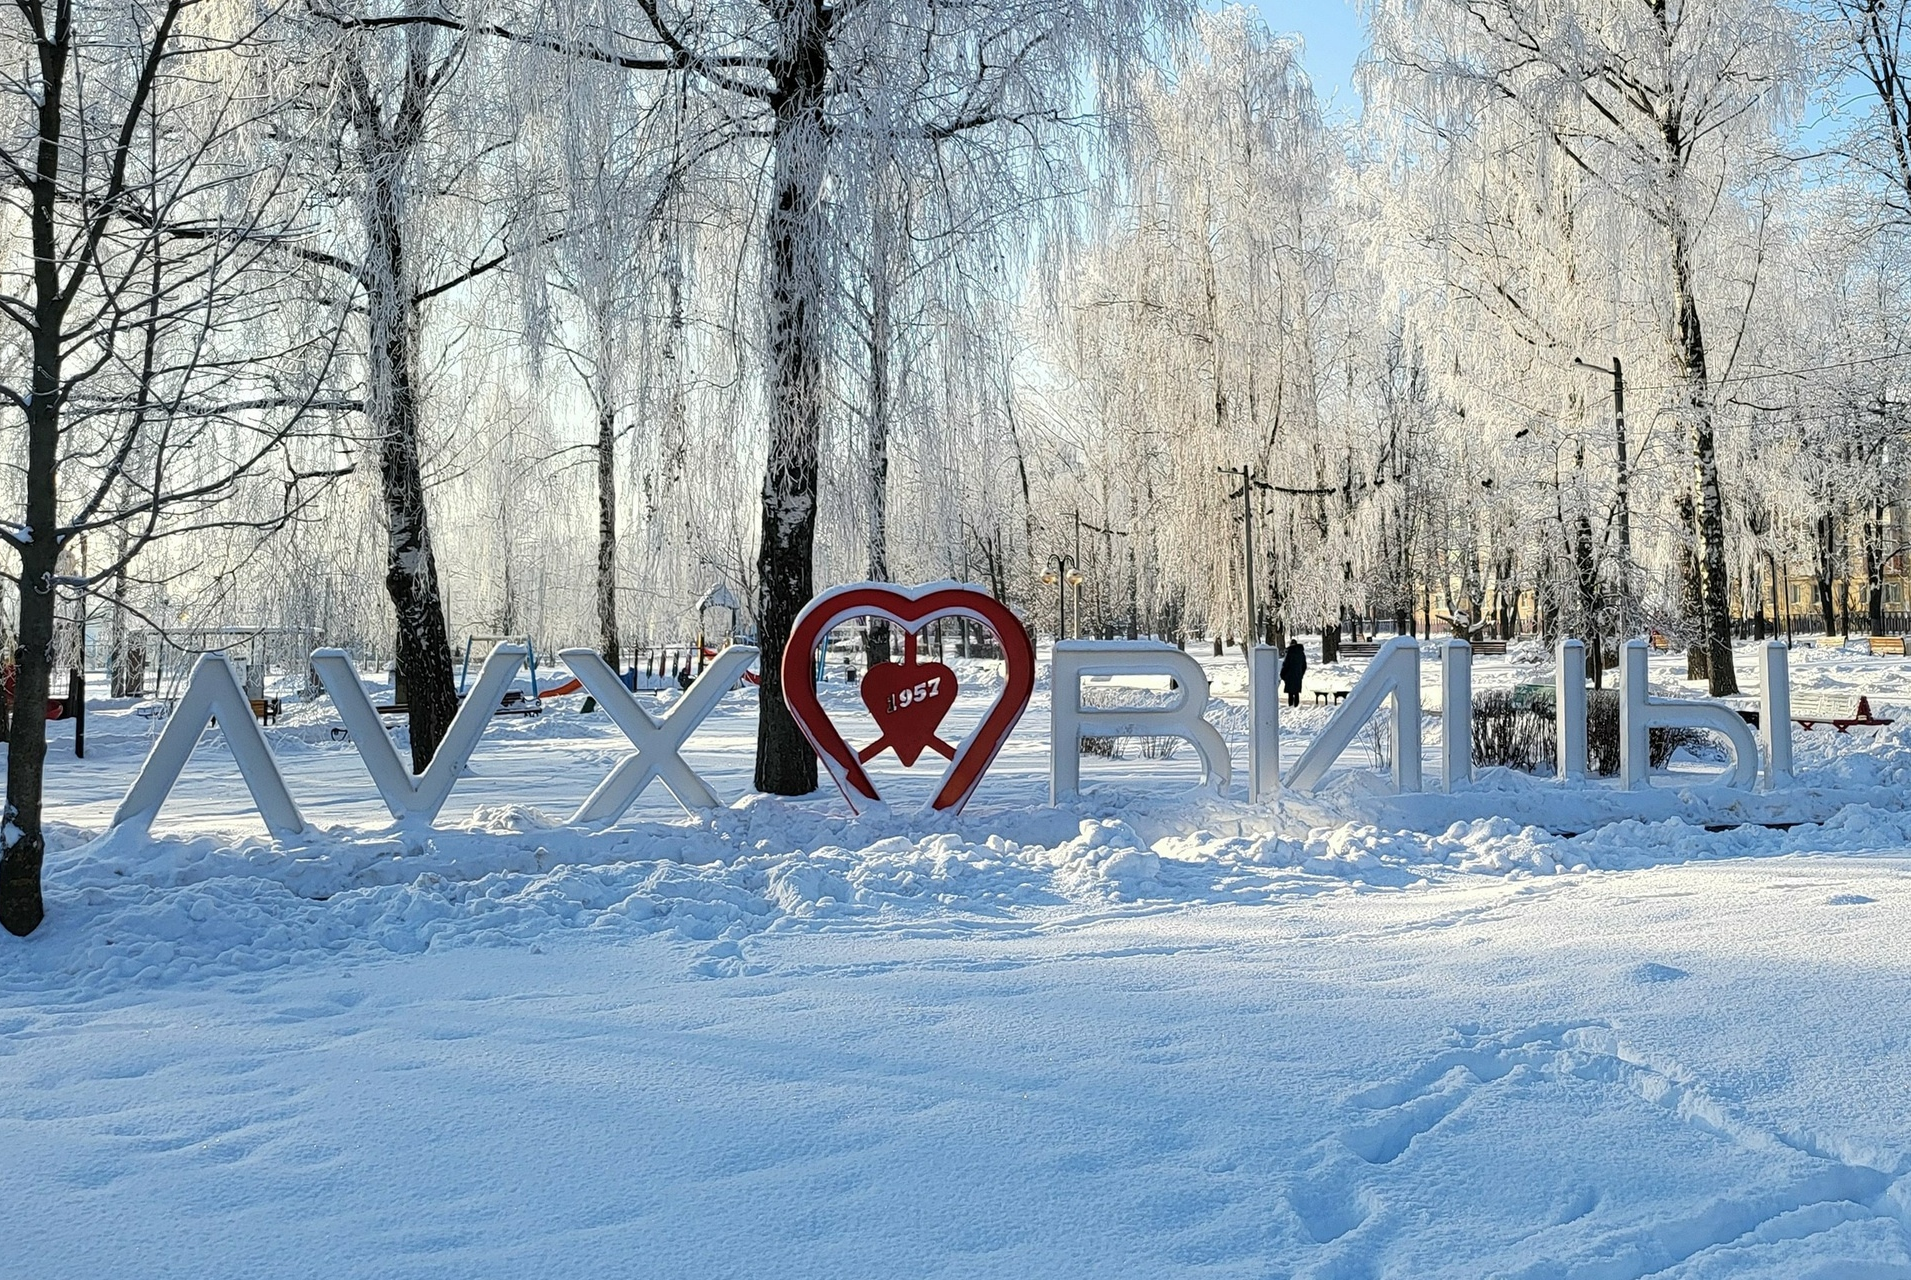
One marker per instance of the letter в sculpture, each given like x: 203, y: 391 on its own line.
x: 911, y: 609
x: 415, y: 798
x: 1394, y: 672
x: 212, y: 692
x: 1068, y: 719
x: 659, y: 743
x: 1640, y: 713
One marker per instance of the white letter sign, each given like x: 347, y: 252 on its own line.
x: 415, y: 798
x: 213, y: 691
x: 659, y: 743
x: 1068, y: 719
x: 1640, y: 713
x: 1456, y: 714
x: 1775, y: 712
x: 1394, y: 672
x: 1263, y: 723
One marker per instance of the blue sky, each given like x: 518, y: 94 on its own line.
x: 1335, y: 38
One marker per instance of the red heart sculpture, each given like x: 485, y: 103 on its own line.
x: 908, y: 728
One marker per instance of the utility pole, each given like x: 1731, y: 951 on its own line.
x: 1109, y: 534
x: 1246, y: 494
x: 1622, y: 498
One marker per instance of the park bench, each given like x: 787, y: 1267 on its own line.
x: 266, y: 709
x: 1835, y: 710
x: 1891, y: 645
x: 1371, y: 648
x: 1321, y: 696
x: 517, y: 703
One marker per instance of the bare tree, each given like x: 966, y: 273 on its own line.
x: 415, y: 224
x: 625, y: 155
x: 173, y: 384
x: 1873, y: 41
x: 1662, y: 105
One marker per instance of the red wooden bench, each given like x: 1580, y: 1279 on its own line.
x: 1835, y: 711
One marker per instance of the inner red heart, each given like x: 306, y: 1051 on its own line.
x: 908, y: 701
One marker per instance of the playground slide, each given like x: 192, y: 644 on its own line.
x: 573, y: 685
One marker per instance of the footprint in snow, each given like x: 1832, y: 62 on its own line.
x: 1326, y: 1212
x: 1847, y: 900
x: 1650, y: 972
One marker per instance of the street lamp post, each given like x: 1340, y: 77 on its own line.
x: 1062, y: 575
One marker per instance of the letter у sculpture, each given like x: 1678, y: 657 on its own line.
x: 416, y: 798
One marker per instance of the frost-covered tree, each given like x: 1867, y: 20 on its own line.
x: 1870, y: 42
x: 164, y: 379
x: 1665, y: 106
x: 804, y: 82
x: 398, y: 145
x: 1206, y: 325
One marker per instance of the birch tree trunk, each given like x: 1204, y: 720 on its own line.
x: 411, y: 568
x: 1715, y: 603
x: 881, y: 322
x: 608, y: 639
x: 796, y: 289
x: 392, y: 407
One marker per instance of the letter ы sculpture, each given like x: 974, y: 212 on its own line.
x: 909, y: 699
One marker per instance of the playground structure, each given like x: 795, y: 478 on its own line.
x: 718, y: 597
x: 651, y: 670
x: 254, y: 651
x: 513, y: 702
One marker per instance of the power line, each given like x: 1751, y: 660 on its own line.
x: 1781, y: 373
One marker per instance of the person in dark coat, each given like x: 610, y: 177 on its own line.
x: 1293, y: 671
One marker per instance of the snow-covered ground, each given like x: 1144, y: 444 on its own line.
x: 1157, y: 1032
